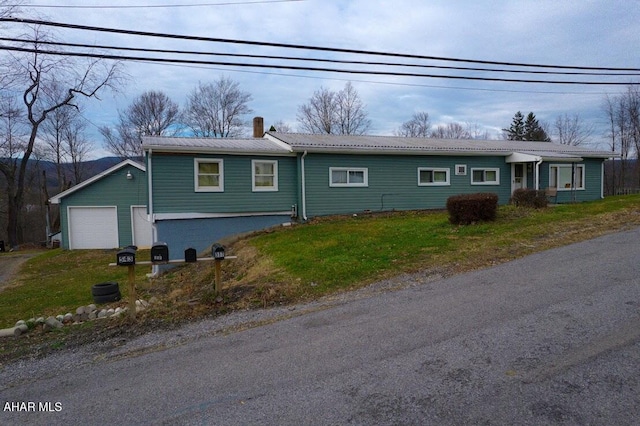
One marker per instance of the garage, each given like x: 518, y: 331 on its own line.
x: 93, y: 227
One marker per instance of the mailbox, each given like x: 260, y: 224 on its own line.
x: 190, y: 255
x: 159, y: 252
x: 217, y: 252
x: 126, y: 257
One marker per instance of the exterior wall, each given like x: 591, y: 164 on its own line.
x: 112, y: 190
x: 593, y: 182
x: 393, y: 182
x: 174, y: 187
x: 201, y: 233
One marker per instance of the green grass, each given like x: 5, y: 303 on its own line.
x: 318, y: 258
x: 59, y: 281
x: 341, y: 252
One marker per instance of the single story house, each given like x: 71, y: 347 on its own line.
x: 106, y: 211
x: 201, y: 190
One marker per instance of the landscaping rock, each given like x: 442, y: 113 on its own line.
x: 60, y: 318
x: 21, y: 329
x: 102, y: 313
x: 92, y: 315
x: 8, y: 332
x: 80, y: 310
x: 68, y: 317
x: 21, y: 322
x: 40, y: 321
x: 51, y: 324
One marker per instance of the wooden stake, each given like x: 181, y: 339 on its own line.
x: 218, y: 276
x: 132, y: 291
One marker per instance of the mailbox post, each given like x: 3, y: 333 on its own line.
x: 217, y: 252
x: 127, y: 257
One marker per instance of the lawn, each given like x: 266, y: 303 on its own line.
x: 315, y: 259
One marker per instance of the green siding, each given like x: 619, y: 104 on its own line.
x: 174, y: 189
x: 393, y: 182
x: 112, y: 190
x: 593, y: 182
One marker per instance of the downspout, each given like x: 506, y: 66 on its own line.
x: 155, y: 269
x: 304, y: 192
x: 537, y: 173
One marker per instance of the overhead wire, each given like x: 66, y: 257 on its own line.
x: 304, y: 47
x: 314, y: 59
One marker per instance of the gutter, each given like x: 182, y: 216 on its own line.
x: 304, y: 192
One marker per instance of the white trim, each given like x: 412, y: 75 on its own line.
x: 486, y: 169
x: 196, y: 169
x: 177, y: 216
x: 461, y: 169
x: 128, y: 162
x: 523, y: 184
x: 433, y: 170
x: 272, y: 188
x: 582, y: 186
x: 365, y: 177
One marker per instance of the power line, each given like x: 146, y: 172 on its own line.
x: 325, y: 60
x: 165, y: 6
x: 304, y: 47
x: 301, y: 68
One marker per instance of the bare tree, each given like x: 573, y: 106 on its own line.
x: 280, y: 127
x: 623, y: 116
x: 334, y: 112
x: 216, y: 109
x: 570, y: 130
x: 451, y: 131
x: 317, y: 115
x: 418, y: 127
x: 152, y: 113
x: 33, y: 74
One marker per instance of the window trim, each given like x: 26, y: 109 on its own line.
x: 348, y: 184
x: 461, y: 169
x: 196, y: 173
x: 582, y: 185
x: 485, y: 182
x: 272, y: 188
x: 447, y: 171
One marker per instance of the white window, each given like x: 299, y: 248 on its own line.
x: 432, y: 176
x: 264, y: 175
x: 560, y: 176
x: 347, y: 176
x: 489, y: 176
x: 209, y: 175
x: 461, y: 169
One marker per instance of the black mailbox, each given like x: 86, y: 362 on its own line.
x: 159, y: 252
x: 217, y: 251
x: 126, y: 257
x: 190, y: 255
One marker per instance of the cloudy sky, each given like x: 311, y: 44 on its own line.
x: 584, y: 33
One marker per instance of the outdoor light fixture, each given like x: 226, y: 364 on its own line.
x: 129, y: 175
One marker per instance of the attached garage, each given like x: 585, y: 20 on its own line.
x: 93, y: 227
x: 106, y: 211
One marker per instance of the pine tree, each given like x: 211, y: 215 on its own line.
x: 516, y: 131
x: 533, y: 131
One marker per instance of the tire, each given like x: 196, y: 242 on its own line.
x: 107, y: 298
x: 105, y: 288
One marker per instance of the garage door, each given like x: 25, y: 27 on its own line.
x: 93, y: 227
x: 141, y: 227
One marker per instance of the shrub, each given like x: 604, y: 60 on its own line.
x: 470, y: 208
x: 529, y: 198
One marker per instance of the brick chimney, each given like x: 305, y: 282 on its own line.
x: 258, y: 127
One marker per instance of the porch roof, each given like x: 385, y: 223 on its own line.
x: 534, y: 157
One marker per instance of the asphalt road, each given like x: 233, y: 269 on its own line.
x: 553, y: 338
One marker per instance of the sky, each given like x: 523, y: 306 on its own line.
x: 585, y: 33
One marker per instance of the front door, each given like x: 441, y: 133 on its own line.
x: 518, y: 176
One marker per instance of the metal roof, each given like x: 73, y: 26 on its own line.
x: 404, y: 145
x: 274, y: 143
x: 214, y: 145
